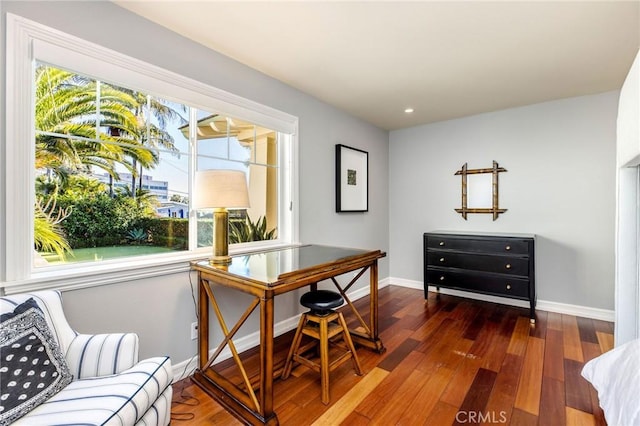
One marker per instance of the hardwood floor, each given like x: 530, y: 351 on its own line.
x: 449, y: 361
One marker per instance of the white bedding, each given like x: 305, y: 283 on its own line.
x: 616, y: 377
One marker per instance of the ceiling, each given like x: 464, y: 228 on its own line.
x: 445, y: 59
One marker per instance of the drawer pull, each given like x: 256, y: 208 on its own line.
x: 442, y: 259
x: 508, y: 286
x: 441, y: 243
x: 442, y: 278
x: 508, y: 266
x: 507, y: 248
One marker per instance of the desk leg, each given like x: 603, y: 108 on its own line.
x: 203, y: 324
x: 266, y: 358
x: 373, y: 291
x: 370, y: 339
x: 373, y: 299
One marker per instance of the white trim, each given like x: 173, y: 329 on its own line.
x: 401, y: 282
x: 542, y: 305
x: 384, y: 282
x: 627, y: 255
x: 73, y: 280
x: 27, y: 41
x: 3, y: 165
x: 576, y: 310
x: 19, y: 129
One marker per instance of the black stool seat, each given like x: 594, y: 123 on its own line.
x: 321, y: 301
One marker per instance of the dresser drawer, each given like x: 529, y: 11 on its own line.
x: 480, y: 262
x: 469, y: 244
x: 490, y: 284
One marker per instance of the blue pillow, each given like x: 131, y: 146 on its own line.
x: 32, y: 366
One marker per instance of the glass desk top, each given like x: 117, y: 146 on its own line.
x: 269, y: 266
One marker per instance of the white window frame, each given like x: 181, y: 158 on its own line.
x: 28, y: 41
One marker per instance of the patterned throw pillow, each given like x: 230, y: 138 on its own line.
x: 32, y: 367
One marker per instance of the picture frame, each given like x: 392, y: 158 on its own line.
x: 352, y: 179
x: 480, y: 190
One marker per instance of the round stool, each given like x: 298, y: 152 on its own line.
x: 321, y: 302
x: 321, y: 323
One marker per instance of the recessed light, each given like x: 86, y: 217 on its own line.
x: 408, y: 110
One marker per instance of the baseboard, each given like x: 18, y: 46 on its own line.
x: 186, y: 368
x: 401, y: 282
x: 576, y: 310
x: 543, y: 305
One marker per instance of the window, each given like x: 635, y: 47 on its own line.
x: 107, y: 160
x: 105, y: 157
x: 111, y: 163
x: 225, y: 142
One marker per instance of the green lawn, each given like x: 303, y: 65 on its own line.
x: 104, y: 253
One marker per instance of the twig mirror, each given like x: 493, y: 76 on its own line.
x: 480, y: 190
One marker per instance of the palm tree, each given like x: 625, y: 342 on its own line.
x: 149, y: 134
x: 68, y: 104
x: 48, y: 235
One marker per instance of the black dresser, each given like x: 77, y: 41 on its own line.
x: 496, y: 264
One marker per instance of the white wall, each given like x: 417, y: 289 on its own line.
x: 560, y: 185
x: 628, y: 194
x: 161, y: 309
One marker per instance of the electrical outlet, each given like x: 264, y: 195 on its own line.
x: 194, y: 330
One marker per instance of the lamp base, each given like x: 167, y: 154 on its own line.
x: 220, y: 237
x: 220, y: 260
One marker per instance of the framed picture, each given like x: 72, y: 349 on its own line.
x: 352, y: 179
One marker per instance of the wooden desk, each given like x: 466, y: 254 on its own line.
x: 265, y: 275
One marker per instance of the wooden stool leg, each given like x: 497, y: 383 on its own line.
x: 297, y: 338
x: 324, y: 361
x: 321, y: 334
x: 349, y: 342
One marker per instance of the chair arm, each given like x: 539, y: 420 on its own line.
x: 95, y: 355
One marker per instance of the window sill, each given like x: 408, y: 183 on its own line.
x: 117, y: 271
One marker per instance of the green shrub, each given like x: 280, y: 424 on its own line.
x: 99, y: 220
x: 167, y: 232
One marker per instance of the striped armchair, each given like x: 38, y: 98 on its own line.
x: 109, y: 386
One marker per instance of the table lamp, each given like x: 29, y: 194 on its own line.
x: 219, y: 190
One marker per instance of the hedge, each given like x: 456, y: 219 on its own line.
x: 167, y: 232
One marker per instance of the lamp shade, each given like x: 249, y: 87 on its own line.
x: 221, y: 189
